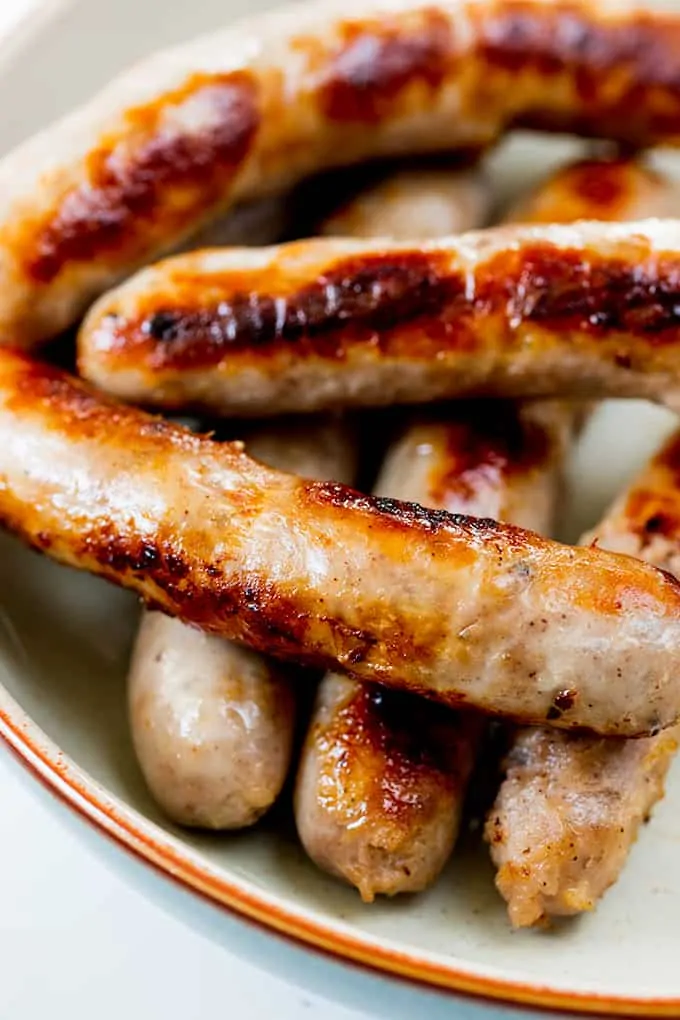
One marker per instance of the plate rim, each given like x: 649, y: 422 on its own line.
x: 78, y: 790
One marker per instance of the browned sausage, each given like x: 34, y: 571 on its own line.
x: 212, y: 722
x: 253, y: 108
x: 570, y: 807
x: 517, y: 311
x: 467, y: 611
x: 382, y: 777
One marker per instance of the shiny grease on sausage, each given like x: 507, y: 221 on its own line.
x: 570, y: 807
x: 247, y: 111
x: 383, y: 774
x: 584, y: 310
x: 213, y: 722
x: 470, y: 612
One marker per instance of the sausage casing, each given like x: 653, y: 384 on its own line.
x: 468, y: 611
x: 585, y: 310
x: 570, y: 809
x: 252, y: 109
x: 383, y: 775
x: 213, y: 722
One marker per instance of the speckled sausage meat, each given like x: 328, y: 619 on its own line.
x: 256, y: 107
x: 589, y: 310
x: 383, y: 776
x: 570, y: 807
x: 212, y: 722
x: 466, y: 611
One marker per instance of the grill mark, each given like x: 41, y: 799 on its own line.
x: 385, y: 512
x: 375, y: 63
x: 562, y: 289
x: 491, y: 441
x: 607, y: 185
x: 134, y: 178
x: 351, y: 304
x: 622, y: 72
x: 422, y: 757
x: 412, y: 305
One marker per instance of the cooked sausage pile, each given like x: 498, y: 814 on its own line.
x: 266, y: 568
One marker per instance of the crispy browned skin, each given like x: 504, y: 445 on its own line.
x: 466, y: 611
x: 383, y: 775
x: 570, y: 807
x: 591, y: 309
x: 382, y: 781
x: 610, y: 188
x: 258, y: 106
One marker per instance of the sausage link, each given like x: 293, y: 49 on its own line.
x: 258, y: 106
x: 587, y: 310
x: 382, y: 775
x: 382, y: 778
x: 569, y: 810
x: 212, y: 722
x: 464, y: 610
x: 423, y: 202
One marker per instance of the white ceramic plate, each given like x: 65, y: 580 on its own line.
x: 65, y: 639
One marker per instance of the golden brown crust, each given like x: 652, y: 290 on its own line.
x: 131, y: 174
x: 381, y: 786
x: 486, y: 446
x: 391, y: 592
x: 253, y: 109
x: 414, y: 300
x: 513, y: 311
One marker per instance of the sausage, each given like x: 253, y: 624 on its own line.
x: 588, y: 310
x: 382, y: 777
x: 569, y: 810
x: 254, y: 108
x: 213, y: 722
x: 422, y: 202
x: 466, y: 611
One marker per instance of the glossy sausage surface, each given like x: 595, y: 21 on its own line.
x: 570, y: 807
x: 383, y: 777
x: 586, y: 310
x: 213, y: 722
x: 256, y: 107
x: 383, y: 774
x: 467, y: 611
